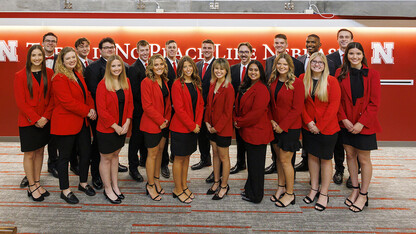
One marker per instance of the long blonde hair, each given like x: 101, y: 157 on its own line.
x: 290, y: 75
x: 223, y: 64
x: 321, y: 90
x: 109, y: 78
x: 60, y: 67
x: 149, y: 69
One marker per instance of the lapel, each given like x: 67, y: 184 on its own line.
x: 220, y: 90
x: 113, y: 94
x: 187, y: 96
x: 248, y: 94
x: 37, y: 88
x: 79, y: 87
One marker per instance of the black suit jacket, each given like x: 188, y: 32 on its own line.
x: 331, y: 65
x: 299, y: 68
x: 335, y: 57
x: 89, y: 63
x: 93, y: 74
x: 235, y: 77
x: 136, y: 73
x: 206, y: 79
x: 171, y: 72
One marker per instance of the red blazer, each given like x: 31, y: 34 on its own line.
x: 324, y: 114
x: 251, y: 115
x: 107, y: 107
x: 70, y: 107
x: 219, y: 109
x: 287, y: 109
x: 154, y: 111
x: 32, y: 109
x: 366, y: 108
x: 183, y: 120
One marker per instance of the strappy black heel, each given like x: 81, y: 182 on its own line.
x: 186, y: 201
x: 161, y: 191
x: 192, y: 196
x: 217, y: 197
x: 30, y: 194
x: 148, y: 193
x: 273, y: 198
x: 46, y: 193
x: 309, y: 200
x: 210, y: 191
x: 348, y: 200
x: 319, y: 206
x: 358, y: 208
x: 280, y: 203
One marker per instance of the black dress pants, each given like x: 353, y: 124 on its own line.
x: 136, y: 143
x: 95, y: 154
x: 66, y: 145
x: 204, y: 144
x: 339, y: 155
x: 256, y: 159
x: 165, y: 154
x: 241, y: 150
x: 52, y: 153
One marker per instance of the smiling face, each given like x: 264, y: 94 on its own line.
x: 36, y: 57
x: 207, y: 50
x: 83, y: 49
x: 107, y: 50
x: 344, y: 38
x: 70, y: 60
x: 158, y: 67
x: 253, y: 72
x: 49, y: 44
x: 317, y: 65
x: 116, y: 68
x: 244, y: 54
x: 219, y: 72
x: 355, y: 56
x: 282, y: 66
x: 280, y: 45
x: 312, y: 45
x: 144, y: 52
x: 187, y: 70
x: 171, y: 50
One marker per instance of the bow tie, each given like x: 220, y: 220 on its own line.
x: 362, y: 72
x: 49, y: 57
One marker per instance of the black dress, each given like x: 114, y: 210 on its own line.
x: 110, y: 142
x: 221, y: 141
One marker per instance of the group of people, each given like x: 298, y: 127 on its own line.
x: 330, y: 100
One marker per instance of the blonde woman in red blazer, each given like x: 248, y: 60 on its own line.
x: 155, y: 121
x: 115, y: 110
x: 32, y: 86
x: 360, y: 101
x: 186, y: 124
x: 69, y: 124
x: 250, y: 116
x: 287, y: 100
x: 219, y: 122
x: 320, y: 126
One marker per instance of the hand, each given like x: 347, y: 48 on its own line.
x: 197, y: 129
x: 235, y: 125
x: 164, y: 124
x: 348, y: 124
x: 208, y: 126
x: 274, y: 124
x: 41, y: 122
x: 278, y: 129
x: 312, y: 128
x: 92, y: 114
x: 125, y: 127
x: 357, y: 128
x: 117, y: 129
x: 213, y: 130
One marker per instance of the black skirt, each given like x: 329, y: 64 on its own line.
x: 33, y: 138
x: 359, y: 141
x: 110, y: 142
x: 152, y: 139
x: 183, y: 144
x: 319, y: 145
x: 220, y: 140
x: 287, y: 141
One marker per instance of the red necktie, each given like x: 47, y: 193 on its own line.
x: 342, y: 60
x: 86, y: 63
x: 242, y: 75
x: 145, y: 65
x: 174, y: 66
x: 204, y: 69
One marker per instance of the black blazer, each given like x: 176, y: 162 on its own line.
x: 299, y: 68
x: 335, y: 57
x: 83, y: 64
x: 331, y: 65
x: 136, y: 73
x: 93, y: 74
x: 171, y: 72
x: 235, y: 77
x: 206, y: 79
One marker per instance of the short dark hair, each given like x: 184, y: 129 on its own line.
x: 314, y: 35
x: 282, y: 36
x: 345, y: 30
x: 142, y: 43
x: 104, y: 40
x: 49, y: 34
x: 208, y: 41
x: 81, y: 40
x: 245, y: 44
x: 170, y: 41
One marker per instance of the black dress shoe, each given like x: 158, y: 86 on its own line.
x: 120, y: 196
x: 200, y: 165
x: 271, y: 169
x: 70, y: 198
x: 302, y: 166
x: 97, y: 183
x: 245, y: 198
x: 142, y: 163
x: 165, y: 171
x: 135, y: 175
x: 122, y: 168
x: 87, y: 190
x: 338, y: 176
x: 54, y: 172
x: 349, y: 183
x: 210, y: 178
x: 117, y: 201
x: 75, y: 170
x: 171, y: 159
x: 235, y: 169
x: 24, y: 182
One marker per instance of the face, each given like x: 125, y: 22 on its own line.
x: 317, y: 64
x: 172, y: 50
x: 253, y: 72
x: 83, y: 49
x: 280, y: 45
x: 158, y: 67
x: 282, y: 66
x: 207, y: 50
x: 108, y: 50
x: 36, y: 57
x: 70, y: 60
x: 355, y: 56
x: 116, y: 68
x: 344, y: 38
x: 220, y: 72
x: 244, y: 54
x: 49, y: 44
x: 144, y: 52
x: 312, y: 45
x: 187, y: 69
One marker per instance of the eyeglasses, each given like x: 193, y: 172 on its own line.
x: 320, y: 63
x: 109, y: 47
x: 50, y: 41
x: 244, y: 52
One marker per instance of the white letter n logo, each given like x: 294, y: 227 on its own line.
x: 380, y: 52
x: 8, y: 50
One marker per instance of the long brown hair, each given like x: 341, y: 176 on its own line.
x: 196, y: 80
x: 149, y: 69
x: 346, y: 65
x: 290, y: 75
x: 60, y: 67
x: 29, y: 71
x: 108, y: 77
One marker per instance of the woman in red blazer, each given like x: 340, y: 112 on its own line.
x: 320, y: 126
x: 251, y: 118
x: 360, y: 101
x: 115, y: 110
x: 155, y: 121
x: 69, y: 124
x: 186, y: 123
x: 32, y: 87
x: 287, y: 99
x: 219, y: 122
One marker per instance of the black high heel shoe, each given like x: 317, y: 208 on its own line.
x: 309, y: 200
x: 273, y: 198
x: 186, y: 201
x: 116, y: 201
x: 358, y: 209
x: 210, y: 190
x: 30, y: 194
x: 319, y: 206
x: 46, y: 193
x: 348, y: 200
x: 120, y: 196
x: 280, y: 203
x: 148, y: 193
x: 161, y: 191
x: 191, y: 196
x: 217, y: 197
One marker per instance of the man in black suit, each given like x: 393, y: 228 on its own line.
x: 245, y: 51
x: 82, y: 47
x: 204, y: 70
x: 93, y: 74
x: 280, y: 45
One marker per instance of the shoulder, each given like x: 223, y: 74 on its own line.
x: 235, y: 66
x: 21, y: 73
x: 332, y: 55
x: 332, y: 80
x: 373, y: 73
x: 199, y: 62
x: 298, y: 81
x: 271, y: 58
x: 301, y: 76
